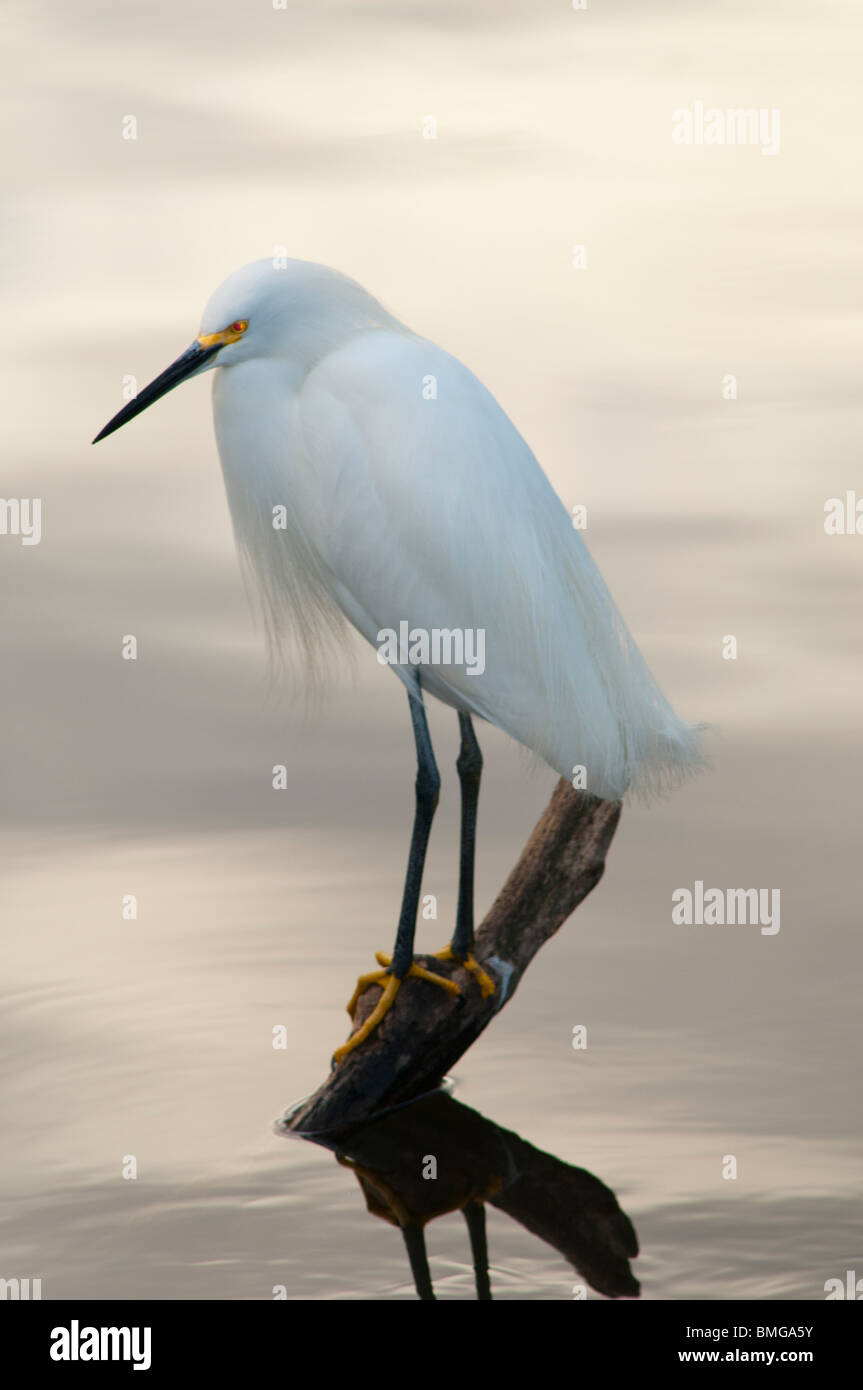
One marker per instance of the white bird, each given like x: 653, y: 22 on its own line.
x: 371, y: 476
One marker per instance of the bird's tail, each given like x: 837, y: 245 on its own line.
x: 629, y: 736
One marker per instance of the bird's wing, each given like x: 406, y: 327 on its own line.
x: 432, y: 510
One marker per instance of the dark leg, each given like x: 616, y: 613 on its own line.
x: 469, y: 766
x: 402, y: 961
x: 416, y: 1247
x: 427, y: 794
x: 474, y: 1215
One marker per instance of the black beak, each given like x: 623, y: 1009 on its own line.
x: 185, y: 366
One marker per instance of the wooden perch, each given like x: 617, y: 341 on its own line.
x: 428, y: 1029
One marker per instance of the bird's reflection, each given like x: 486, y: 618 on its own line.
x: 436, y: 1156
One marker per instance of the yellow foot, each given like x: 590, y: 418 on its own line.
x: 390, y: 986
x: 485, y: 982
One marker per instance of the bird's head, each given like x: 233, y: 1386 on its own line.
x: 245, y: 318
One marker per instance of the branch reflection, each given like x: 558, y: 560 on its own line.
x: 437, y: 1156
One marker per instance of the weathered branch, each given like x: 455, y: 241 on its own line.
x: 428, y: 1029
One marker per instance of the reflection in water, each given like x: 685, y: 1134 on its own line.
x: 437, y: 1156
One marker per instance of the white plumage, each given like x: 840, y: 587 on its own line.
x: 407, y: 502
x: 372, y: 478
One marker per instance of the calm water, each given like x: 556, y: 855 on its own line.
x: 153, y: 1037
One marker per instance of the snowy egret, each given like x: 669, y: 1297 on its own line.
x: 371, y: 476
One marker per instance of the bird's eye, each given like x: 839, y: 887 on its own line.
x: 240, y: 326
